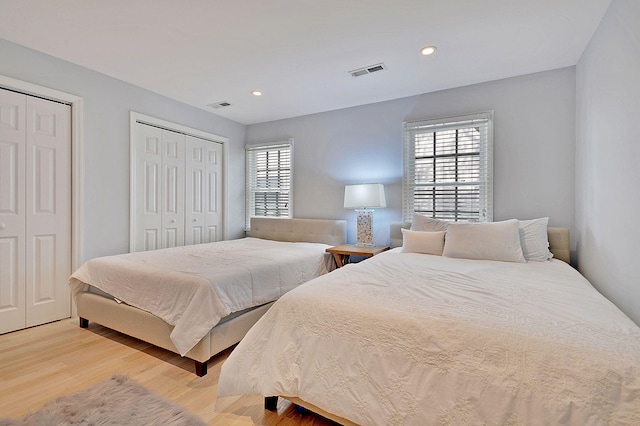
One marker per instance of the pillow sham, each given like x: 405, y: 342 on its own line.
x: 422, y: 242
x: 534, y: 239
x: 428, y: 224
x: 484, y: 241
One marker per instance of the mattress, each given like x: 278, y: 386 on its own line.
x: 415, y: 339
x: 193, y: 287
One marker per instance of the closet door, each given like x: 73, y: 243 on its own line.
x: 12, y: 211
x: 147, y: 192
x: 35, y: 211
x: 203, y: 222
x: 48, y: 211
x: 158, y: 203
x: 176, y: 188
x: 173, y: 175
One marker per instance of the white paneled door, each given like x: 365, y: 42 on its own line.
x: 177, y: 189
x: 203, y: 201
x: 173, y: 176
x: 35, y: 210
x: 12, y: 211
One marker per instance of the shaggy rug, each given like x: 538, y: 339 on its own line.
x: 117, y: 401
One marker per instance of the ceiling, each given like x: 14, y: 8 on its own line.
x: 299, y: 52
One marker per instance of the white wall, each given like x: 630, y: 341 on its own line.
x: 107, y: 103
x: 608, y: 157
x: 534, y: 143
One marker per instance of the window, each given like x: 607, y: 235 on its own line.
x: 268, y: 180
x: 448, y: 168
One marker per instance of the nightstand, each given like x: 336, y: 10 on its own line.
x: 343, y: 252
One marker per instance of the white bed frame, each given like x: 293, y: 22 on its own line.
x: 230, y: 330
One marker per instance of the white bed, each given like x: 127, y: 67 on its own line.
x: 198, y: 300
x: 418, y: 339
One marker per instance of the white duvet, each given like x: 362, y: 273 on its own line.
x: 193, y: 287
x: 414, y: 339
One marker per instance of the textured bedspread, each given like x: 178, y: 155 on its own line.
x: 193, y: 287
x: 412, y: 339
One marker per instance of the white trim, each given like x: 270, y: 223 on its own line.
x: 136, y: 117
x: 263, y: 145
x: 77, y: 142
x: 158, y: 122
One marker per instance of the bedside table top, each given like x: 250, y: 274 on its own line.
x: 352, y: 249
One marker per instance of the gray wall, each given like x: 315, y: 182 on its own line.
x: 107, y: 103
x: 534, y: 144
x: 608, y: 157
x: 540, y: 169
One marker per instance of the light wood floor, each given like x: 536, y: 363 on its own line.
x: 41, y: 363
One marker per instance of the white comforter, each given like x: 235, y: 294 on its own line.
x: 193, y: 287
x: 413, y: 339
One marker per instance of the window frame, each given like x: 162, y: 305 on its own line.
x: 484, y: 122
x: 250, y: 178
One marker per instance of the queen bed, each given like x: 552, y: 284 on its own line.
x: 478, y: 333
x: 224, y: 287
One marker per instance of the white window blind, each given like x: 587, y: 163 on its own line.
x: 448, y: 169
x: 268, y: 180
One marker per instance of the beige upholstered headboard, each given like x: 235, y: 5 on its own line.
x: 559, y: 243
x: 332, y: 232
x: 396, y: 233
x: 558, y: 240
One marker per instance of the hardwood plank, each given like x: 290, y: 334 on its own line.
x: 41, y: 363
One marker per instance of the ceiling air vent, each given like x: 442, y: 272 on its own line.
x: 367, y: 70
x: 219, y: 105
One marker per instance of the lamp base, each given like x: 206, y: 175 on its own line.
x: 365, y: 228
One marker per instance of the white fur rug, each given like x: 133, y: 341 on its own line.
x: 117, y: 401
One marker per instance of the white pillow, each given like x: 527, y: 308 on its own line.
x: 534, y: 239
x: 422, y: 242
x: 428, y: 224
x: 484, y: 241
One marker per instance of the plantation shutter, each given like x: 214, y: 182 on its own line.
x: 268, y: 180
x: 448, y: 168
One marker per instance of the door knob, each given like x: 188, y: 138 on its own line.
x: 2, y: 226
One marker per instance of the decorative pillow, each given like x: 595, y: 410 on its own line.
x: 428, y: 224
x: 422, y: 242
x: 484, y: 241
x: 534, y: 239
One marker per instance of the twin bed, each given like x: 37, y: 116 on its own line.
x: 475, y: 328
x: 225, y: 286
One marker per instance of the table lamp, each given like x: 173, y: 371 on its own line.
x: 364, y: 198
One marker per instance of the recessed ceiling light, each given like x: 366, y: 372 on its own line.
x: 256, y: 93
x: 428, y: 50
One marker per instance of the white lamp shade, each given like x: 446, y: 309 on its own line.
x: 366, y: 195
